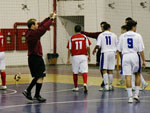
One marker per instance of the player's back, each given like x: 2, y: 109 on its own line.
x: 107, y: 41
x: 131, y: 42
x: 78, y: 44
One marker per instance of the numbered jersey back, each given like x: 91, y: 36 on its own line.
x: 78, y: 44
x: 130, y: 42
x: 1, y: 42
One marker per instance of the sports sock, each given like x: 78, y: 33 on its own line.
x: 84, y: 78
x: 32, y: 84
x: 142, y: 79
x: 3, y: 78
x: 110, y: 78
x: 105, y: 76
x: 129, y: 91
x: 137, y: 88
x: 122, y: 77
x: 75, y: 79
x: 38, y: 89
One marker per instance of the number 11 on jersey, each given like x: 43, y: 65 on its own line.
x: 78, y: 45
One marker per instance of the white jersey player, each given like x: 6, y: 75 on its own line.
x: 107, y: 41
x: 130, y: 45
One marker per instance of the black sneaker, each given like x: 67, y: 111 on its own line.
x: 27, y: 94
x: 39, y: 99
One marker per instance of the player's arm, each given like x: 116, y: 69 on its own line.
x: 91, y: 34
x: 68, y: 57
x: 89, y: 57
x: 95, y: 48
x: 143, y: 58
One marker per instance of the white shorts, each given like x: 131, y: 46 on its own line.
x: 79, y: 64
x: 2, y: 61
x: 131, y: 63
x: 108, y: 61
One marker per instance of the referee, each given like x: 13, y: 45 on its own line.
x: 35, y: 60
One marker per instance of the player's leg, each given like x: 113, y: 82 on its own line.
x: 75, y: 70
x: 133, y: 82
x: 129, y: 88
x: 127, y: 72
x: 137, y: 85
x: 84, y: 71
x: 110, y: 75
x: 144, y: 83
x: 2, y: 68
x: 103, y: 67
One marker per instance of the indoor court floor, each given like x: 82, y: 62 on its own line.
x: 57, y: 89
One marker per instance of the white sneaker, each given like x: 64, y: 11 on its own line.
x: 3, y: 87
x: 144, y: 85
x: 85, y: 88
x: 130, y: 100
x: 136, y: 97
x: 101, y: 89
x: 111, y: 88
x: 106, y: 87
x: 75, y: 89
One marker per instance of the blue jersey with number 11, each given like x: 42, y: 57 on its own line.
x: 130, y: 42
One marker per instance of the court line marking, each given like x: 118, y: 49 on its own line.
x: 67, y: 102
x: 11, y: 93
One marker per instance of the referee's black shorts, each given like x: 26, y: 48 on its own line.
x: 37, y: 66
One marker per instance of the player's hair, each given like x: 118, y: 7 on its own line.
x: 124, y: 27
x: 77, y: 28
x: 106, y: 26
x: 128, y: 19
x: 103, y: 23
x: 131, y: 24
x: 31, y: 22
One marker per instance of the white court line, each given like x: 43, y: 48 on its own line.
x: 67, y: 102
x: 11, y: 93
x: 63, y: 102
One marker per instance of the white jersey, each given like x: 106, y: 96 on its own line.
x: 130, y: 42
x: 107, y: 41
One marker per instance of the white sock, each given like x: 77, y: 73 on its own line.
x: 142, y: 79
x: 110, y: 78
x: 105, y: 76
x: 137, y: 89
x: 122, y: 77
x: 133, y: 81
x: 130, y: 94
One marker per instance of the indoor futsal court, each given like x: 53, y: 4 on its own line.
x: 20, y: 66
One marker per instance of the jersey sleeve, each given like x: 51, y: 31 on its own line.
x: 98, y: 41
x: 141, y: 44
x: 88, y: 42
x: 119, y: 45
x: 69, y: 45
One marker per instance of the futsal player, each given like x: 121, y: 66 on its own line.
x: 107, y: 41
x: 2, y: 62
x: 131, y: 45
x: 79, y: 47
x: 35, y: 59
x: 98, y: 54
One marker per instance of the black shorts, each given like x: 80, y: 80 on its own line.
x: 37, y: 66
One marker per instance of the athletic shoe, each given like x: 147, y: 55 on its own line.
x: 75, y: 89
x: 27, y: 94
x: 85, y: 88
x: 39, y: 99
x: 130, y: 100
x: 144, y: 85
x: 101, y: 89
x: 3, y: 87
x: 136, y: 98
x: 121, y: 82
x: 111, y: 88
x: 106, y: 88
